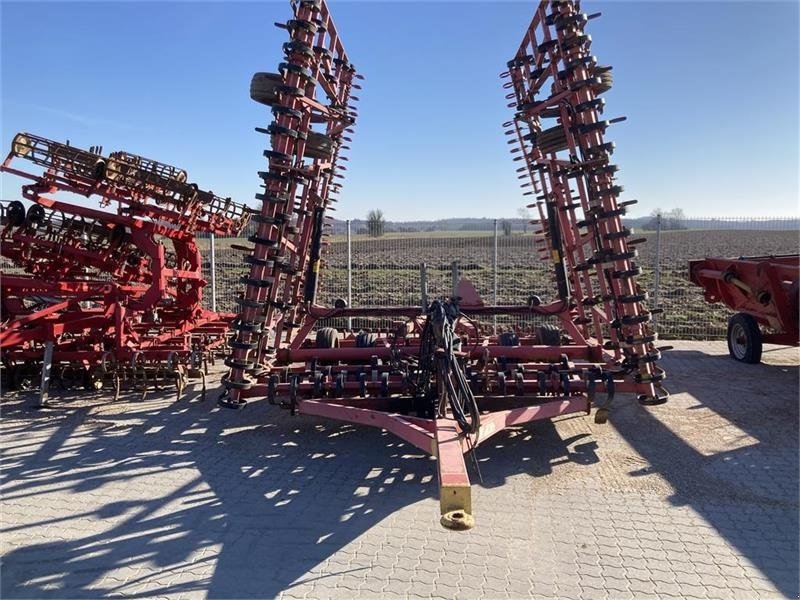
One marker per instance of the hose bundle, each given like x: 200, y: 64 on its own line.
x: 438, y: 362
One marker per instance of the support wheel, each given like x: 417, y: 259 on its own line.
x: 549, y: 335
x: 508, y: 338
x: 327, y: 337
x: 744, y: 338
x: 365, y: 339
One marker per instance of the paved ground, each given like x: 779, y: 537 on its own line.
x: 697, y: 498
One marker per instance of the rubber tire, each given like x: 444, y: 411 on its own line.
x: 319, y: 146
x: 552, y: 140
x: 508, y: 338
x: 35, y: 215
x: 262, y: 87
x: 752, y: 338
x: 365, y: 339
x: 327, y: 337
x: 794, y: 298
x: 15, y: 213
x: 549, y: 334
x: 607, y: 82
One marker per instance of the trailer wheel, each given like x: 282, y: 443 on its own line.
x: 744, y: 338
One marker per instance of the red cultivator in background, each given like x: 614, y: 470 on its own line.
x: 107, y: 296
x: 765, y: 290
x: 438, y: 379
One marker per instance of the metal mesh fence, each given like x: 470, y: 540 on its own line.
x: 386, y: 270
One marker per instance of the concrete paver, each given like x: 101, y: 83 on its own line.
x: 694, y: 499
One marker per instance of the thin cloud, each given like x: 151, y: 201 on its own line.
x: 86, y: 121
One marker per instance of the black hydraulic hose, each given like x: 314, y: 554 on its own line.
x: 458, y: 392
x: 316, y: 250
x: 557, y: 251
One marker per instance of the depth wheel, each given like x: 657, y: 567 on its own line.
x: 549, y: 334
x: 744, y: 339
x: 327, y: 337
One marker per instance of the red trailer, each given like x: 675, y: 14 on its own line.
x: 764, y: 290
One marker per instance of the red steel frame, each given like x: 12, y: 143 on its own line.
x: 604, y: 343
x: 102, y: 289
x: 765, y: 287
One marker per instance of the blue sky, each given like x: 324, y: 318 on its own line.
x: 710, y: 91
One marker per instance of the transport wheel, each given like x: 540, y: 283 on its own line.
x: 263, y: 87
x: 744, y: 338
x: 319, y: 146
x: 327, y: 337
x: 549, y: 335
x: 549, y: 140
x: 606, y: 82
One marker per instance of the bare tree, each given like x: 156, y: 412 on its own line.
x: 525, y: 215
x: 376, y: 223
x: 670, y: 219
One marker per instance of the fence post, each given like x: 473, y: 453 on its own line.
x: 454, y: 267
x: 657, y: 273
x: 213, y: 273
x: 349, y: 275
x: 423, y: 285
x: 495, y: 275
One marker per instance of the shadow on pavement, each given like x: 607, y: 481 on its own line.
x: 271, y: 501
x: 749, y: 494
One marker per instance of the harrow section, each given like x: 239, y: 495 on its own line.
x: 440, y: 378
x: 558, y: 135
x: 311, y: 103
x: 107, y: 297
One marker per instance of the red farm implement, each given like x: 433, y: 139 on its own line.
x: 99, y: 297
x: 439, y: 378
x: 765, y: 292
